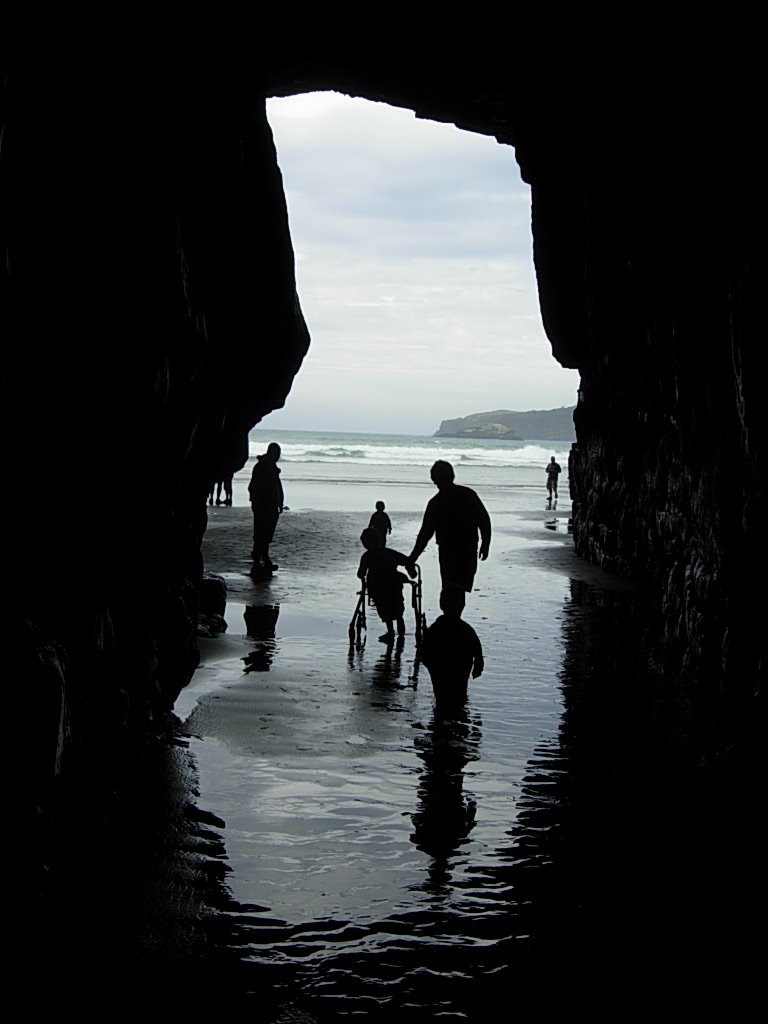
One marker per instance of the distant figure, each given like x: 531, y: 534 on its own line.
x: 380, y: 521
x: 224, y: 485
x: 266, y: 494
x: 455, y: 516
x: 553, y: 472
x: 451, y: 651
x: 379, y: 567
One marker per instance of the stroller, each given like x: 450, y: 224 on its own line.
x: 358, y: 622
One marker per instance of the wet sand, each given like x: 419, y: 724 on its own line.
x: 517, y: 590
x: 316, y: 829
x: 358, y: 832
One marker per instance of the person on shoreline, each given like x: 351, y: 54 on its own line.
x: 553, y: 471
x: 380, y: 521
x: 266, y: 494
x: 379, y: 568
x: 451, y: 651
x: 454, y: 516
x: 224, y: 485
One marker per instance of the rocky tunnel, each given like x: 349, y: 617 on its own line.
x: 150, y: 318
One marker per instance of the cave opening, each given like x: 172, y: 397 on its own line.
x: 414, y: 268
x: 206, y: 266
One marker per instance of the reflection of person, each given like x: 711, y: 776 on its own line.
x: 445, y: 815
x: 260, y: 623
x: 451, y: 651
x: 380, y: 521
x: 553, y: 472
x: 454, y: 516
x: 266, y: 494
x: 379, y: 567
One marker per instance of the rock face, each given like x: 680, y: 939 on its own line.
x: 541, y: 424
x: 150, y: 318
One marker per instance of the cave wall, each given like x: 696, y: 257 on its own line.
x: 640, y: 148
x: 150, y: 318
x: 647, y: 261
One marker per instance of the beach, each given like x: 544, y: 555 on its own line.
x: 317, y: 828
x: 364, y: 856
x: 344, y: 852
x: 380, y: 861
x: 346, y: 811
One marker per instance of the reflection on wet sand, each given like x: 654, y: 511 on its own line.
x: 445, y: 815
x: 377, y: 856
x: 387, y: 671
x: 260, y: 624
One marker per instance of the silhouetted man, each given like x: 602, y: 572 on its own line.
x: 553, y: 472
x: 454, y: 517
x: 266, y: 494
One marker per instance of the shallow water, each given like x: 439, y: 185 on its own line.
x: 383, y: 862
x: 319, y: 847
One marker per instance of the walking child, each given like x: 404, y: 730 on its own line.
x: 380, y: 521
x: 451, y: 651
x: 379, y: 567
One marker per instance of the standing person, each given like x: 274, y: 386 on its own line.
x: 553, y: 472
x: 380, y: 521
x: 379, y: 567
x: 454, y: 516
x: 226, y: 484
x: 266, y: 494
x: 451, y: 651
x: 220, y: 486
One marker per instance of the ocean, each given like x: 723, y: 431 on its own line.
x: 351, y: 471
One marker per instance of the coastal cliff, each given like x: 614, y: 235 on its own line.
x: 506, y: 425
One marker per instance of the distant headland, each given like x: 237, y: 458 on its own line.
x: 506, y: 425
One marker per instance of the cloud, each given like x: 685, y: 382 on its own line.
x: 414, y: 270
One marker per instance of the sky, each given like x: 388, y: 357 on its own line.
x: 414, y: 270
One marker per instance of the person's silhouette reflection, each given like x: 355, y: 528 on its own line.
x: 388, y: 669
x: 260, y: 623
x: 445, y: 815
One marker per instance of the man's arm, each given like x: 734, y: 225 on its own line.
x: 484, y: 525
x: 253, y: 483
x: 426, y: 532
x: 406, y: 560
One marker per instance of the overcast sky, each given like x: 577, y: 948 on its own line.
x: 414, y: 269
